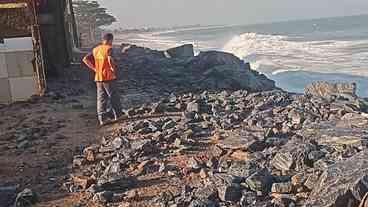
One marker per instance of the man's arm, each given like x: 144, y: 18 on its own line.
x: 111, y: 61
x: 87, y: 60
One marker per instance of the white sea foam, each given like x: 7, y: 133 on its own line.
x: 275, y: 52
x: 156, y: 41
x: 276, y: 72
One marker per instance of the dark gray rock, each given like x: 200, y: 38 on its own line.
x: 202, y: 203
x: 315, y: 155
x: 212, y: 69
x: 243, y: 140
x: 26, y: 198
x: 342, y: 184
x: 260, y: 181
x: 191, y: 117
x: 276, y: 141
x: 22, y: 136
x: 207, y: 192
x: 164, y: 198
x: 283, y: 161
x: 116, y: 184
x: 221, y: 179
x: 140, y: 125
x: 284, y: 200
x: 169, y: 125
x: 159, y: 108
x: 243, y: 169
x: 103, y: 197
x: 248, y: 199
x: 23, y: 144
x: 141, y: 145
x: 184, y: 51
x: 230, y: 193
x: 186, y: 191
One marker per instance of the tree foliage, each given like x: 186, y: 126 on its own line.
x: 91, y: 16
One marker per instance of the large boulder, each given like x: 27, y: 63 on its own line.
x: 212, y: 59
x: 220, y: 70
x: 184, y: 51
x: 212, y: 70
x: 328, y: 90
x: 343, y: 184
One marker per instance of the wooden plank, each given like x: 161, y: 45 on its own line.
x: 13, y: 5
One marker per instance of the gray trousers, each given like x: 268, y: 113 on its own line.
x: 108, y: 101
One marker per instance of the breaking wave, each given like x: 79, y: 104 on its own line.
x: 276, y: 54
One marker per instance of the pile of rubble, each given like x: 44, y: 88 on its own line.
x: 250, y: 149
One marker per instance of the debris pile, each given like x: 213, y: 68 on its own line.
x: 232, y: 148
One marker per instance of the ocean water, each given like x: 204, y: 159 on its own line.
x: 292, y: 53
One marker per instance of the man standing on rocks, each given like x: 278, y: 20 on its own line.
x: 102, y: 63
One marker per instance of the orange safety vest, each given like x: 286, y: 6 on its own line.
x: 103, y: 68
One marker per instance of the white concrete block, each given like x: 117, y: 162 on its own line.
x: 3, y: 67
x: 5, y: 96
x: 19, y: 63
x: 23, y: 43
x: 22, y: 88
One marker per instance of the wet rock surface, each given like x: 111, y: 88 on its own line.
x: 233, y: 148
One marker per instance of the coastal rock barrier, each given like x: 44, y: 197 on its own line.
x: 159, y: 74
x: 246, y: 147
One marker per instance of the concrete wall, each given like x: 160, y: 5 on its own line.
x: 17, y: 80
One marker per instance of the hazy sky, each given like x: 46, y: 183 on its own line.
x: 140, y: 13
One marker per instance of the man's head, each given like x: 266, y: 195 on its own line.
x: 107, y: 38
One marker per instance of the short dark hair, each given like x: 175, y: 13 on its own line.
x: 108, y: 37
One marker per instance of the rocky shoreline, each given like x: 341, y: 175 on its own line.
x: 261, y: 149
x: 240, y: 147
x: 207, y: 130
